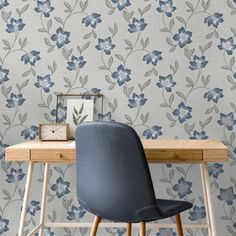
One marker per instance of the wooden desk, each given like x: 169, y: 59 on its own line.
x: 157, y: 151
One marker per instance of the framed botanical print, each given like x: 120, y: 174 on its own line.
x: 78, y: 111
x: 77, y: 108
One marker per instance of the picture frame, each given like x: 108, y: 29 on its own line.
x: 78, y: 111
x: 63, y: 115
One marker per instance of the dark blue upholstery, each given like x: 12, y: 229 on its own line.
x: 113, y: 177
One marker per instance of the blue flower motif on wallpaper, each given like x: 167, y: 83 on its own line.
x: 227, y: 120
x: 197, y: 213
x: 105, y: 117
x: 92, y: 20
x: 2, y: 150
x: 214, y: 19
x: 227, y: 195
x: 198, y: 63
x: 91, y: 91
x: 61, y: 37
x: 15, y: 100
x: 33, y: 207
x: 183, y: 112
x: 214, y: 95
x: 122, y: 75
x: 227, y: 45
x: 121, y: 4
x: 166, y: 232
x: 15, y: 175
x: 3, y: 225
x: 121, y: 231
x: 15, y: 25
x: 153, y: 133
x: 234, y: 225
x: 44, y: 82
x: 137, y: 25
x: 153, y: 57
x: 61, y: 116
x: 199, y: 135
x: 168, y: 165
x: 183, y: 187
x: 137, y: 100
x: 47, y: 232
x: 76, y: 63
x: 75, y: 213
x: 166, y: 82
x: 31, y: 57
x: 30, y: 133
x: 3, y: 75
x: 3, y: 3
x: 215, y: 169
x: 61, y: 187
x: 166, y: 7
x: 105, y: 45
x: 183, y: 37
x: 44, y: 7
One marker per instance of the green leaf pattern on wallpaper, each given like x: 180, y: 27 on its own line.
x: 166, y: 68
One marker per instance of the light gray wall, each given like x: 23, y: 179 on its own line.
x: 204, y: 82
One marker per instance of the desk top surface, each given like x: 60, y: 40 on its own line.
x: 158, y: 150
x: 170, y: 144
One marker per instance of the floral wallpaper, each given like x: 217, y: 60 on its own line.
x: 167, y: 68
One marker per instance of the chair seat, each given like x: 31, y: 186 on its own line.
x: 163, y: 209
x: 172, y: 207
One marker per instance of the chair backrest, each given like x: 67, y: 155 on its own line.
x: 113, y: 177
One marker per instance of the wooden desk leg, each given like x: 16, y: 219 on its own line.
x: 129, y: 229
x: 207, y: 199
x: 44, y: 198
x: 26, y: 198
x: 142, y: 229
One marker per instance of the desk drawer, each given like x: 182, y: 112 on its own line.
x: 174, y: 155
x: 59, y: 155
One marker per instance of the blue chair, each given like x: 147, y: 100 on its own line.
x: 113, y: 178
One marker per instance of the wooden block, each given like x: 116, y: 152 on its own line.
x: 17, y: 154
x: 52, y: 155
x: 166, y: 156
x: 212, y: 155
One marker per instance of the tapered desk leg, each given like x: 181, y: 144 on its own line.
x: 26, y: 198
x: 44, y: 198
x: 207, y: 199
x: 142, y: 229
x: 129, y: 229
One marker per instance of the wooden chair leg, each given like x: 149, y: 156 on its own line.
x: 129, y: 229
x: 179, y: 225
x: 96, y: 222
x: 142, y: 229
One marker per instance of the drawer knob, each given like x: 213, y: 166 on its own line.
x: 59, y: 155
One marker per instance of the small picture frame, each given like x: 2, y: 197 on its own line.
x: 78, y: 111
x: 90, y: 111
